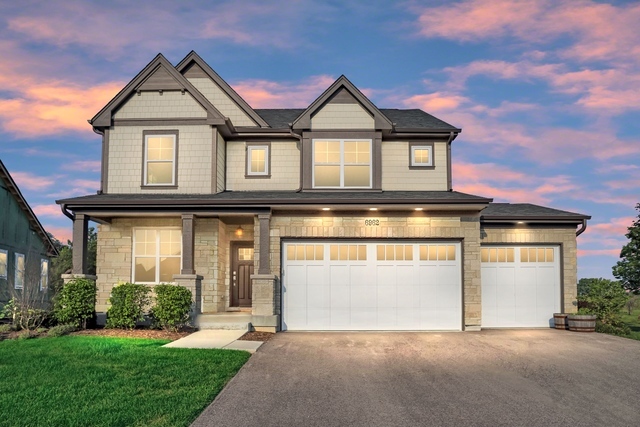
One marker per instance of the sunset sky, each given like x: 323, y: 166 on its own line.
x: 547, y: 92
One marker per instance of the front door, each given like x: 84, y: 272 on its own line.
x: 241, y: 271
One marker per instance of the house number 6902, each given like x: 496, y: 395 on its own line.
x: 372, y: 222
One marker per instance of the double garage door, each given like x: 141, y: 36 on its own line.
x: 372, y: 285
x: 409, y: 285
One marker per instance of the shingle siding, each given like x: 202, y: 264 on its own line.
x: 396, y: 175
x: 153, y: 105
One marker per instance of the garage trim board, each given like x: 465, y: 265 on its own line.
x: 371, y: 285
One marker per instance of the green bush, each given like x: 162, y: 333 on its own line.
x: 26, y: 334
x: 173, y: 304
x: 128, y: 303
x: 5, y: 328
x: 23, y: 315
x: 60, y: 330
x: 619, y: 329
x: 605, y: 299
x: 76, y: 302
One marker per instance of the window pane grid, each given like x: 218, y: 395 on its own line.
x: 159, y: 159
x: 342, y: 163
x: 527, y: 255
x: 157, y: 255
x: 437, y: 252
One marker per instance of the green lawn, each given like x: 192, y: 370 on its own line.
x: 99, y: 381
x: 633, y: 322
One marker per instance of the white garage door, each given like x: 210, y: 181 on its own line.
x: 364, y: 285
x: 520, y: 286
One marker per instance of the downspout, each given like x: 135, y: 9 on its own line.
x: 102, y: 160
x: 449, y: 174
x: 582, y: 229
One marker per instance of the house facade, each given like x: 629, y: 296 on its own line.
x: 337, y: 216
x: 25, y: 247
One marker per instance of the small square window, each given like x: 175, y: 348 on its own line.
x: 257, y: 160
x: 421, y: 156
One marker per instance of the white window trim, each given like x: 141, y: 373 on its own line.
x: 133, y: 253
x: 6, y: 266
x: 146, y: 161
x: 421, y: 147
x: 44, y: 285
x: 342, y: 163
x: 17, y: 271
x: 250, y: 148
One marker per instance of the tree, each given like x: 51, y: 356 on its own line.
x: 605, y: 299
x: 64, y: 262
x: 584, y: 285
x: 627, y: 270
x: 632, y: 303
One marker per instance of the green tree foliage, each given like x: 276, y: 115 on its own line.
x: 627, y: 270
x: 64, y: 262
x: 584, y: 285
x: 605, y: 299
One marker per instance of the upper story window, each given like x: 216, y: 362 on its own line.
x: 157, y: 254
x: 257, y: 161
x: 342, y: 163
x: 421, y: 155
x: 18, y: 282
x: 3, y: 263
x: 44, y: 274
x: 160, y: 158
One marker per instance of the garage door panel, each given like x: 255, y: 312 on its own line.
x: 408, y: 296
x: 365, y: 319
x: 339, y: 275
x: 317, y: 318
x: 340, y: 318
x: 405, y: 274
x: 318, y: 296
x: 340, y: 297
x: 386, y: 275
x: 387, y: 317
x: 408, y: 318
x: 387, y: 296
x: 359, y: 274
x: 363, y: 296
x: 316, y: 275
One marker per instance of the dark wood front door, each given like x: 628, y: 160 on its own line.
x: 241, y: 271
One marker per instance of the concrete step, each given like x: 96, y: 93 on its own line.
x: 227, y: 321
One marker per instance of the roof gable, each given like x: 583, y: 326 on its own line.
x: 159, y: 75
x: 33, y: 220
x: 193, y: 66
x: 341, y: 91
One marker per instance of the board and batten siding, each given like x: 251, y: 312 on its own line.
x: 284, y: 168
x: 222, y: 102
x: 126, y: 156
x: 342, y: 116
x: 396, y: 175
x: 153, y: 105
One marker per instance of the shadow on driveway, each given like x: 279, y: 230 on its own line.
x: 489, y: 378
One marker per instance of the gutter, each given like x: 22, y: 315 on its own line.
x: 582, y: 229
x: 63, y: 208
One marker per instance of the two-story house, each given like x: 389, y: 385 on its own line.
x: 337, y: 216
x: 25, y: 247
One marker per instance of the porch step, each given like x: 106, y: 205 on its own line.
x: 228, y: 320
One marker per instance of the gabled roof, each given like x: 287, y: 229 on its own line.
x: 193, y: 58
x: 496, y: 212
x: 380, y: 120
x: 33, y: 220
x: 159, y: 74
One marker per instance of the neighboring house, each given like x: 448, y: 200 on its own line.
x: 338, y: 216
x: 25, y: 247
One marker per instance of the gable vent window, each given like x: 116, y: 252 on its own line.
x: 160, y: 159
x: 342, y: 163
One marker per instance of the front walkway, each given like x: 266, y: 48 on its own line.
x: 488, y: 378
x: 216, y: 338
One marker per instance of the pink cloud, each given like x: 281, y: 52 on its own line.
x: 29, y: 181
x: 270, y: 94
x: 61, y: 233
x: 76, y: 187
x: 85, y: 166
x: 47, y: 210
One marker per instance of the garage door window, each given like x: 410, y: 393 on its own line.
x: 305, y: 253
x: 536, y: 255
x: 348, y: 252
x: 497, y: 254
x: 437, y: 253
x: 395, y: 252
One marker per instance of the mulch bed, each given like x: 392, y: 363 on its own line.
x: 256, y: 336
x: 137, y: 333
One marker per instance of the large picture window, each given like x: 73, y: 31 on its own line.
x: 3, y: 263
x: 157, y: 254
x: 160, y: 158
x: 18, y: 282
x: 341, y: 163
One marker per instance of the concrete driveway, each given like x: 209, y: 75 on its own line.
x: 489, y: 378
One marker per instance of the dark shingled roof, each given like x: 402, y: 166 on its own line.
x: 498, y: 211
x: 279, y: 197
x: 403, y: 119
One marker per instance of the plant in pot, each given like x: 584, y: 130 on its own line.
x: 582, y: 321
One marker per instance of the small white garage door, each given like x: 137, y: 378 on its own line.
x: 365, y: 285
x: 520, y: 286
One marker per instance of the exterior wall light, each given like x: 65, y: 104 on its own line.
x: 239, y: 231
x: 373, y: 209
x: 419, y: 209
x: 326, y: 209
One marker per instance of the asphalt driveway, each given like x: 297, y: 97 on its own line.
x: 488, y: 378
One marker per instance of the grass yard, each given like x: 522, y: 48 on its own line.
x: 98, y: 381
x: 633, y: 322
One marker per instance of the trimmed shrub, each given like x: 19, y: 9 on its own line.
x: 173, y: 304
x: 60, y: 330
x: 128, y: 303
x: 76, y: 302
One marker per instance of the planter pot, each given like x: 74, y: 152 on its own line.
x: 582, y: 322
x: 560, y: 320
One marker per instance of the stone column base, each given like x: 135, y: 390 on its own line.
x: 193, y: 282
x: 265, y: 301
x: 66, y: 278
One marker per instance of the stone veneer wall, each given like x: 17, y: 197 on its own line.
x: 565, y: 237
x: 465, y: 228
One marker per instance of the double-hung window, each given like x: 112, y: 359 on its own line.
x: 342, y: 163
x: 157, y: 254
x: 44, y: 274
x: 160, y: 158
x: 4, y: 257
x: 257, y: 160
x: 18, y: 282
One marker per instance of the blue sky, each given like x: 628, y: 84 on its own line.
x: 547, y: 92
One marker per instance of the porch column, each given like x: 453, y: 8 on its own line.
x: 187, y: 245
x: 79, y: 259
x: 264, y: 266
